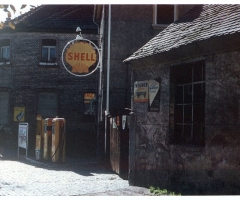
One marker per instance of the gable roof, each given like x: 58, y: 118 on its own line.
x: 57, y: 18
x: 200, y: 23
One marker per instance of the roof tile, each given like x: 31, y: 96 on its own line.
x: 200, y: 23
x: 57, y: 17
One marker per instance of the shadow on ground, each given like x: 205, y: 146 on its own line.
x: 84, y: 166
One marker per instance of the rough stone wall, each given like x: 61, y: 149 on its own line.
x: 210, y: 169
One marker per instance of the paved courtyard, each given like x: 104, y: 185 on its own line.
x: 74, y: 178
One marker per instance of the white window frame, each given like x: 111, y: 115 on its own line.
x: 48, y: 62
x: 155, y: 25
x: 2, y: 49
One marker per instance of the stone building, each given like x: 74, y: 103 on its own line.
x: 28, y: 83
x: 131, y: 27
x: 33, y: 79
x: 185, y: 135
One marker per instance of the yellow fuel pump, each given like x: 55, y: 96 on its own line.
x: 58, y: 140
x: 47, y: 144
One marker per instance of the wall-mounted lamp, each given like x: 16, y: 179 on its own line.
x: 79, y: 36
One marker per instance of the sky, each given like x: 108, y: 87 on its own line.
x: 4, y: 15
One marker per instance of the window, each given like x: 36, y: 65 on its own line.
x: 5, y: 51
x: 4, y: 107
x: 187, y: 100
x: 163, y: 15
x: 47, y: 104
x: 89, y: 103
x: 48, y: 56
x: 89, y: 107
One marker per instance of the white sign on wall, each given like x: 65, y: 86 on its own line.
x: 154, y: 95
x: 23, y: 136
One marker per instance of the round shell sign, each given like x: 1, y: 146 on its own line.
x: 80, y: 57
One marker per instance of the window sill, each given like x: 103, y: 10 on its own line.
x: 48, y: 64
x: 5, y: 63
x: 160, y: 26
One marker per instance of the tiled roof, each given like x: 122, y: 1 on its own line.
x: 57, y: 17
x: 200, y: 23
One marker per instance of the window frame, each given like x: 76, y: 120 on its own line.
x: 91, y: 117
x: 48, y: 63
x: 190, y: 100
x: 92, y: 107
x: 155, y: 25
x: 49, y: 92
x: 8, y: 106
x: 5, y: 45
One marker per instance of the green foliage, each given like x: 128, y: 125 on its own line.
x: 157, y: 191
x: 13, y: 9
x: 5, y: 8
x: 23, y: 6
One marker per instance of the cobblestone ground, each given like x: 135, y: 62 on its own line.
x: 74, y: 178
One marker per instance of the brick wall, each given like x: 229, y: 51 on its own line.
x: 25, y: 78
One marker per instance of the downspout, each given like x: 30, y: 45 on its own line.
x: 102, y: 50
x: 108, y: 75
x: 100, y: 88
x: 176, y: 13
x: 132, y: 136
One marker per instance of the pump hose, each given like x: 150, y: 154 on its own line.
x: 63, y: 133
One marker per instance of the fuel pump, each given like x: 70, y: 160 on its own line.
x: 58, y: 140
x: 47, y: 144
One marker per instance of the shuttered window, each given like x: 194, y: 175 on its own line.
x: 4, y: 107
x: 47, y: 104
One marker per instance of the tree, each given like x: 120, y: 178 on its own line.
x: 9, y: 9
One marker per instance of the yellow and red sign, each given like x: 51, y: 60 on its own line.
x: 19, y: 114
x: 80, y: 57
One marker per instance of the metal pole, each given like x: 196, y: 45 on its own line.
x: 175, y: 12
x: 108, y: 75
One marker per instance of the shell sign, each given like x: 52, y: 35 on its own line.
x: 80, y: 57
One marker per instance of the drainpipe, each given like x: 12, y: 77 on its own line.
x: 132, y: 137
x: 108, y: 75
x: 99, y: 88
x: 175, y: 12
x: 100, y: 83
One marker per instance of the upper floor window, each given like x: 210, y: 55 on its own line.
x: 5, y: 51
x: 48, y: 56
x: 163, y: 15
